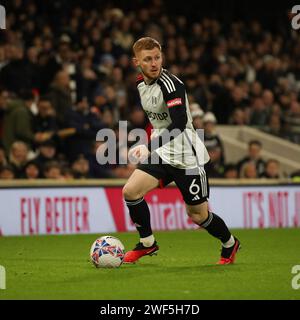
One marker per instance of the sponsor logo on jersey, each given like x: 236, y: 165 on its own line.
x: 156, y: 115
x: 174, y: 102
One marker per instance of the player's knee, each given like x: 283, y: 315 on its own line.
x: 198, y: 216
x: 130, y: 193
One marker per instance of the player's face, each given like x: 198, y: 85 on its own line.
x: 150, y: 61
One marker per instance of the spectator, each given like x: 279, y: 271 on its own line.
x: 60, y: 96
x: 231, y: 171
x: 3, y: 160
x: 272, y: 169
x: 32, y: 171
x: 268, y: 99
x: 68, y: 173
x: 215, y: 167
x: 197, y: 115
x: 17, y: 75
x: 45, y: 120
x: 64, y: 59
x: 53, y: 170
x: 259, y: 113
x: 18, y: 123
x: 85, y: 124
x: 89, y: 78
x: 81, y: 168
x: 211, y: 138
x: 292, y: 119
x: 248, y: 171
x: 254, y: 156
x: 46, y: 153
x: 238, y: 117
x: 18, y: 157
x: 7, y: 173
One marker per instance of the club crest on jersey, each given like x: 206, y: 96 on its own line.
x: 154, y: 101
x: 174, y: 102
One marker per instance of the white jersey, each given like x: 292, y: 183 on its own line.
x: 166, y: 104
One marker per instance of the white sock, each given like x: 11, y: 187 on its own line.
x: 148, y: 241
x: 229, y: 243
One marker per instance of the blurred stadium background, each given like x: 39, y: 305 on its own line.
x: 66, y: 72
x: 67, y: 65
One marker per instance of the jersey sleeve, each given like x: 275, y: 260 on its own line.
x: 174, y: 96
x: 139, y: 79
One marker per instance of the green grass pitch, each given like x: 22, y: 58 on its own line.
x: 57, y: 267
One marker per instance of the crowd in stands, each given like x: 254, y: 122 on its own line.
x: 66, y: 73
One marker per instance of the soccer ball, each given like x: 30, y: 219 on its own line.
x: 107, y: 252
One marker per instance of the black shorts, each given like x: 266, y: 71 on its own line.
x: 192, y: 183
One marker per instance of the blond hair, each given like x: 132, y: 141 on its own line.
x: 145, y: 43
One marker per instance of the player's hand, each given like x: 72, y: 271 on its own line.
x: 138, y: 153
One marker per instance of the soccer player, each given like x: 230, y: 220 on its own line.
x: 180, y: 159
